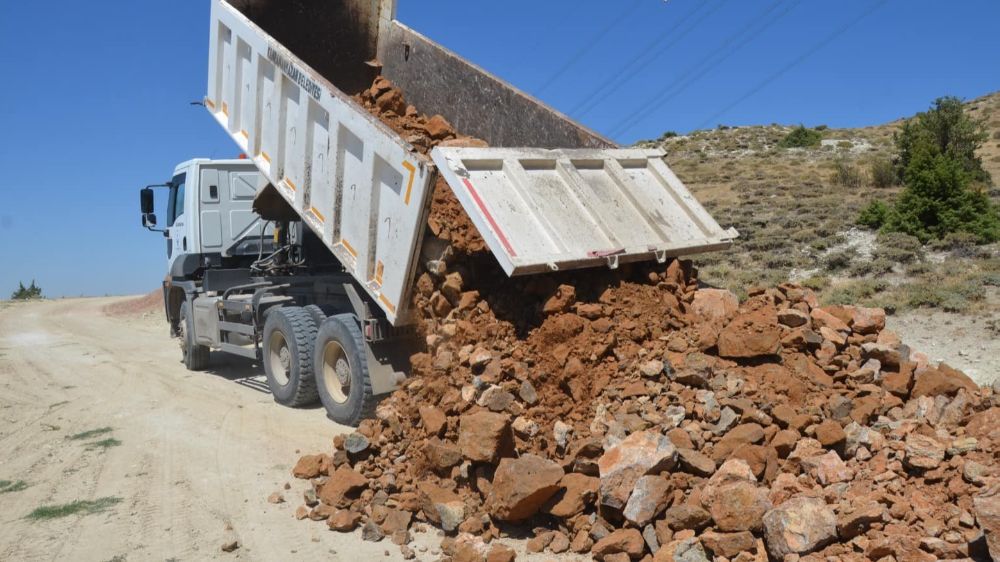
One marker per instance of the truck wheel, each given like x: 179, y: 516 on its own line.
x: 319, y: 313
x: 341, y: 367
x: 195, y: 355
x: 289, y: 337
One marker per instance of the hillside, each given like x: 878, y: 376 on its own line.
x: 797, y: 219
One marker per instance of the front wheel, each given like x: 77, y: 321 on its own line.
x: 195, y: 355
x: 341, y: 366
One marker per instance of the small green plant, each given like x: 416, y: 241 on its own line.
x: 874, y: 215
x: 84, y: 507
x: 816, y: 282
x: 854, y: 292
x: 874, y: 267
x: 883, y: 173
x: 801, y: 137
x: 7, y: 486
x: 23, y: 293
x: 104, y: 444
x: 90, y: 433
x: 839, y: 260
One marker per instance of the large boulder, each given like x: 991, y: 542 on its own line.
x: 627, y: 541
x: 521, y: 486
x: 944, y: 380
x: 441, y: 506
x: 343, y: 486
x: 577, y: 492
x: 485, y: 437
x: 621, y: 466
x: 799, y: 526
x: 715, y: 305
x: 649, y: 497
x: 752, y: 334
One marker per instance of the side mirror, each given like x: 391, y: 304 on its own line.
x: 149, y: 220
x: 146, y: 201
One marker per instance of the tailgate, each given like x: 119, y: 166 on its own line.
x: 546, y: 210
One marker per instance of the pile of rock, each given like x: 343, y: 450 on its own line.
x: 632, y: 414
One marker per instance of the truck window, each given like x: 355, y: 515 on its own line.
x: 176, y: 204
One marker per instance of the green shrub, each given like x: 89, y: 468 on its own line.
x: 816, y: 282
x: 874, y: 215
x: 883, y: 173
x: 959, y: 243
x: 854, y: 292
x: 839, y: 260
x: 847, y: 174
x: 874, y: 267
x: 26, y: 293
x: 801, y: 137
x: 897, y: 247
x: 821, y: 127
x: 943, y: 177
x: 996, y: 135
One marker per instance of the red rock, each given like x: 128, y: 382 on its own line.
x: 686, y: 516
x: 987, y: 508
x: 439, y: 128
x: 739, y: 506
x: 831, y: 470
x: 643, y: 452
x: 751, y: 335
x: 792, y: 318
x: 745, y: 434
x: 941, y: 381
x: 728, y: 544
x: 441, y: 455
x: 442, y: 507
x: 784, y: 441
x: 900, y: 383
x: 830, y: 434
x: 561, y: 301
x: 649, y: 497
x: 521, y: 486
x: 715, y: 305
x: 868, y: 320
x: 694, y: 462
x: 501, y: 553
x: 344, y: 520
x: 308, y: 466
x: 985, y: 424
x: 861, y: 515
x: 343, y: 486
x: 799, y: 526
x: 628, y: 541
x: 485, y: 437
x: 823, y: 319
x: 577, y: 493
x: 434, y: 420
x: 923, y: 452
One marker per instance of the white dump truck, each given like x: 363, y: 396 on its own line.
x: 304, y: 255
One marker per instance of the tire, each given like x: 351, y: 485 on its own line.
x: 289, y: 337
x: 319, y: 313
x: 341, y: 367
x: 195, y: 355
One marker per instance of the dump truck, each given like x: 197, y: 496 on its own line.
x: 303, y: 256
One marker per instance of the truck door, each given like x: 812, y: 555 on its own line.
x: 176, y: 229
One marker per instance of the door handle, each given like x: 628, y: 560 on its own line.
x: 184, y: 243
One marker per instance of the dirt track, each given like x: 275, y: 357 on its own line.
x: 198, y: 450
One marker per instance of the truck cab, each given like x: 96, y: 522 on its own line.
x: 209, y: 215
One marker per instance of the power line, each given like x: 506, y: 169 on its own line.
x: 707, y: 64
x: 614, y: 83
x: 798, y: 60
x: 587, y: 48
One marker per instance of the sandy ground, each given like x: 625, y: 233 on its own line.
x: 960, y: 340
x: 198, y: 450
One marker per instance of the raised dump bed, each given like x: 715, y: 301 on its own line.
x: 549, y: 194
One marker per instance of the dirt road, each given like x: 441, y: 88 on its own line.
x: 197, y: 451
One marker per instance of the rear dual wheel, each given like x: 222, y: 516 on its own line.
x: 340, y: 362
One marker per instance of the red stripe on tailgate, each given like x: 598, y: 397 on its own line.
x: 489, y: 218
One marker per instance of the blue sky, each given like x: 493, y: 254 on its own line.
x: 94, y: 102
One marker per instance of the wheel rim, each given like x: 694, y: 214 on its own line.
x: 182, y: 337
x: 279, y: 357
x: 336, y: 372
